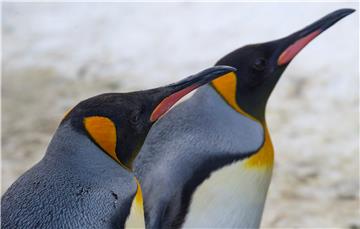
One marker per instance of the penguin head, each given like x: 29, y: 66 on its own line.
x: 261, y: 65
x: 119, y: 122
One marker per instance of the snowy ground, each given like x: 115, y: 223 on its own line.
x: 57, y: 54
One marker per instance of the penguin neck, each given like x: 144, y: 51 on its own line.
x: 264, y: 158
x: 241, y: 186
x: 76, y: 152
x: 74, y: 163
x: 80, y: 147
x: 226, y: 87
x: 71, y: 147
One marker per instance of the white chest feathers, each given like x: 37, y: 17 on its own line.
x: 136, y: 216
x: 232, y: 197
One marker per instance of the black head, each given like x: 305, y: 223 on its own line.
x: 261, y: 65
x: 119, y: 122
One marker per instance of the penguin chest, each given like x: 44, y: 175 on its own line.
x: 136, y: 216
x: 233, y: 196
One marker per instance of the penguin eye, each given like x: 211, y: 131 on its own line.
x: 135, y: 118
x: 259, y: 64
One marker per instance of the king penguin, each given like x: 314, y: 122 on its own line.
x: 191, y: 173
x: 85, y: 178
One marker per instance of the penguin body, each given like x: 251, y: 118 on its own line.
x: 238, y: 186
x: 229, y: 190
x: 97, y: 193
x: 168, y: 186
x: 85, y: 178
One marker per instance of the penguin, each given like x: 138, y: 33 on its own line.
x: 85, y: 179
x: 201, y: 181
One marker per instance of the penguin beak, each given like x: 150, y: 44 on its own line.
x: 172, y: 93
x: 290, y: 46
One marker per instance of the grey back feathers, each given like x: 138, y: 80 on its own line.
x: 75, y: 185
x: 194, y: 139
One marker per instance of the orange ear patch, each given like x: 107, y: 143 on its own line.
x: 226, y: 87
x: 103, y: 131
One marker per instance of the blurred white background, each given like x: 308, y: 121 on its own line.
x: 55, y: 55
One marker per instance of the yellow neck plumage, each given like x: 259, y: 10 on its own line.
x: 226, y: 87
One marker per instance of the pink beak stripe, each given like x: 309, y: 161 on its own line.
x: 287, y: 55
x: 169, y: 101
